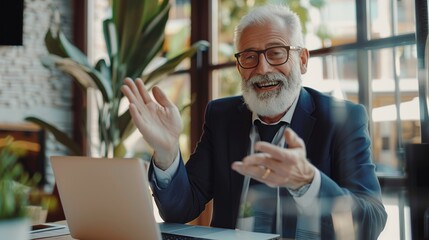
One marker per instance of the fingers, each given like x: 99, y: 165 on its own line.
x: 293, y: 140
x: 137, y: 118
x: 143, y: 92
x: 129, y: 89
x: 126, y: 89
x: 262, y: 161
x: 138, y: 98
x: 136, y: 91
x: 255, y: 171
x: 284, y: 163
x: 265, y: 160
x: 161, y: 98
x: 267, y: 175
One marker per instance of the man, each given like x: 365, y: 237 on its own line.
x: 328, y: 153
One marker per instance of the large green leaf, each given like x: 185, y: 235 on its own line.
x: 53, y: 45
x: 157, y: 75
x: 77, y: 72
x: 128, y: 131
x: 118, y: 77
x: 123, y: 121
x: 72, y: 51
x: 59, y: 45
x: 103, y: 68
x: 60, y: 136
x: 137, y: 14
x: 85, y: 76
x: 111, y: 37
x: 153, y: 23
x: 103, y: 84
x: 118, y: 15
x: 149, y: 44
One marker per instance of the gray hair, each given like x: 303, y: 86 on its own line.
x: 271, y: 14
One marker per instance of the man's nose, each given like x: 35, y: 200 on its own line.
x: 263, y: 66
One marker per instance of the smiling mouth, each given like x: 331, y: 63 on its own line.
x: 266, y: 84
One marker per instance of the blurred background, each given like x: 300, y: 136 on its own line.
x: 370, y: 52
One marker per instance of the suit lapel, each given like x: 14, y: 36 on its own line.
x: 302, y: 121
x: 238, y: 136
x: 238, y: 133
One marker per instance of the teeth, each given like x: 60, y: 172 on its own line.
x: 267, y: 84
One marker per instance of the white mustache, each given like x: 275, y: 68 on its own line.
x: 268, y: 77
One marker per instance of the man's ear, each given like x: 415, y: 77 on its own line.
x: 304, y: 56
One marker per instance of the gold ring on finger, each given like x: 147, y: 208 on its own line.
x: 266, y: 173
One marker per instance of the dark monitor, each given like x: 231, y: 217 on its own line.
x: 11, y: 22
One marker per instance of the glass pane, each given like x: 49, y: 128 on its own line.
x: 325, y: 23
x: 334, y: 74
x: 395, y: 112
x: 390, y: 18
x: 227, y: 83
x: 225, y: 20
x: 331, y: 23
x: 98, y: 11
x: 178, y: 30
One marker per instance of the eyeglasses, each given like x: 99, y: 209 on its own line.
x: 275, y: 56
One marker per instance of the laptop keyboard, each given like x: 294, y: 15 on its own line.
x: 169, y: 236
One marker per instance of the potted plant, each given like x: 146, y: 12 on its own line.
x: 246, y: 218
x: 134, y: 37
x: 15, y: 185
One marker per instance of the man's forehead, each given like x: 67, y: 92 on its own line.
x: 264, y: 36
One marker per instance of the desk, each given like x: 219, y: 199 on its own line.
x: 68, y: 237
x: 63, y: 237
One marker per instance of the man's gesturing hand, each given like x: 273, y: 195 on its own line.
x: 278, y: 166
x: 157, y: 119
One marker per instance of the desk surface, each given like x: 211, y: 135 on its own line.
x: 63, y: 237
x: 68, y: 237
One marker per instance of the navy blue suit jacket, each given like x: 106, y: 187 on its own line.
x: 337, y: 141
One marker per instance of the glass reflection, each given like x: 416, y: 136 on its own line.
x: 390, y: 18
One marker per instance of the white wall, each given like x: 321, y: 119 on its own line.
x: 26, y: 87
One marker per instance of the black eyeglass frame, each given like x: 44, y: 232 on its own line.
x: 258, y: 52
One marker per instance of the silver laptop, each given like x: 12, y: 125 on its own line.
x: 109, y: 198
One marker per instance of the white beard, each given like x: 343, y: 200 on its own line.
x: 271, y: 103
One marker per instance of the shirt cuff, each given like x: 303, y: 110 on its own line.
x: 309, y: 198
x: 163, y: 178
